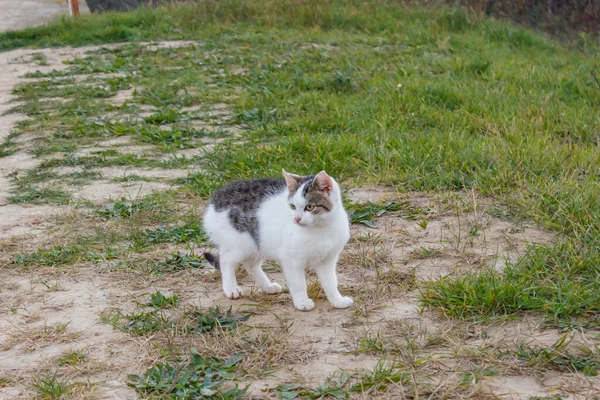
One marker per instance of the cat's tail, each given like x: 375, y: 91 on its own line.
x: 213, y: 260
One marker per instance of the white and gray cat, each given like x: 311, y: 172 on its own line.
x: 298, y: 222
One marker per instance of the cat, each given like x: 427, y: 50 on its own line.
x: 298, y: 221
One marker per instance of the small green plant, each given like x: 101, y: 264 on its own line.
x: 159, y: 300
x: 49, y: 387
x: 165, y: 116
x: 40, y: 59
x: 122, y: 208
x: 364, y: 213
x: 559, y: 358
x: 57, y: 255
x: 4, y: 381
x: 178, y: 262
x: 422, y: 224
x: 213, y: 318
x: 39, y: 195
x: 190, y: 232
x: 197, y: 378
x: 341, y: 387
x: 71, y: 358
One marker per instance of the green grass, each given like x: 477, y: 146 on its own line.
x: 159, y: 300
x: 383, y: 376
x: 71, y: 358
x: 420, y: 99
x: 199, y: 377
x: 559, y: 358
x: 49, y: 387
x: 178, y: 262
x: 157, y: 315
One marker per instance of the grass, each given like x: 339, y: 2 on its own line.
x: 199, y: 377
x: 49, y: 387
x: 429, y: 100
x: 558, y: 357
x: 380, y: 379
x: 154, y: 317
x: 364, y: 213
x: 71, y: 358
x: 178, y: 262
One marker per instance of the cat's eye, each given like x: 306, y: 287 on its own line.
x: 293, y: 207
x: 310, y: 207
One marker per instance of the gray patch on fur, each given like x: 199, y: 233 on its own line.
x: 242, y: 199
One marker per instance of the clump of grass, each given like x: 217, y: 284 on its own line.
x: 383, y: 375
x: 190, y: 232
x: 159, y: 300
x: 57, y: 255
x: 71, y: 358
x: 559, y: 358
x: 364, y: 213
x: 4, y: 381
x: 213, y: 318
x: 122, y: 208
x: 425, y: 252
x: 138, y: 323
x: 551, y: 279
x: 154, y: 318
x: 178, y: 262
x: 39, y: 195
x: 49, y: 387
x: 199, y: 377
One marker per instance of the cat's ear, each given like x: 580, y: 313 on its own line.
x: 291, y: 180
x: 323, y: 182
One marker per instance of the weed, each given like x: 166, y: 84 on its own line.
x: 158, y: 300
x: 31, y: 194
x: 379, y: 379
x: 190, y: 232
x: 122, y: 208
x: 213, y: 318
x: 364, y: 213
x: 138, y: 323
x: 71, y: 358
x: 178, y: 262
x: 49, y: 387
x: 57, y: 255
x: 200, y: 377
x: 558, y: 357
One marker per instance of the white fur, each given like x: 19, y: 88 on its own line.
x: 316, y: 242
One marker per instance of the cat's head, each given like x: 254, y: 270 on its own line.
x: 311, y: 199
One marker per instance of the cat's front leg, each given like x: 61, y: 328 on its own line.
x: 295, y: 276
x: 328, y: 278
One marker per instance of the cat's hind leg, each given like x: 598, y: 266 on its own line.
x: 254, y: 268
x: 228, y: 261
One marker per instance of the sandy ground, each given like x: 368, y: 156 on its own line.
x: 49, y: 312
x: 19, y: 14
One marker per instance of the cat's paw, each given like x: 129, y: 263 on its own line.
x: 305, y: 305
x: 272, y: 288
x: 233, y: 293
x: 344, y: 302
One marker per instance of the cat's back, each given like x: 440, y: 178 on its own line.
x: 246, y: 195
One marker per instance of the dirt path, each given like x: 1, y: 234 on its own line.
x: 19, y: 14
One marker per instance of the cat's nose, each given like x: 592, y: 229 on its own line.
x: 297, y: 219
